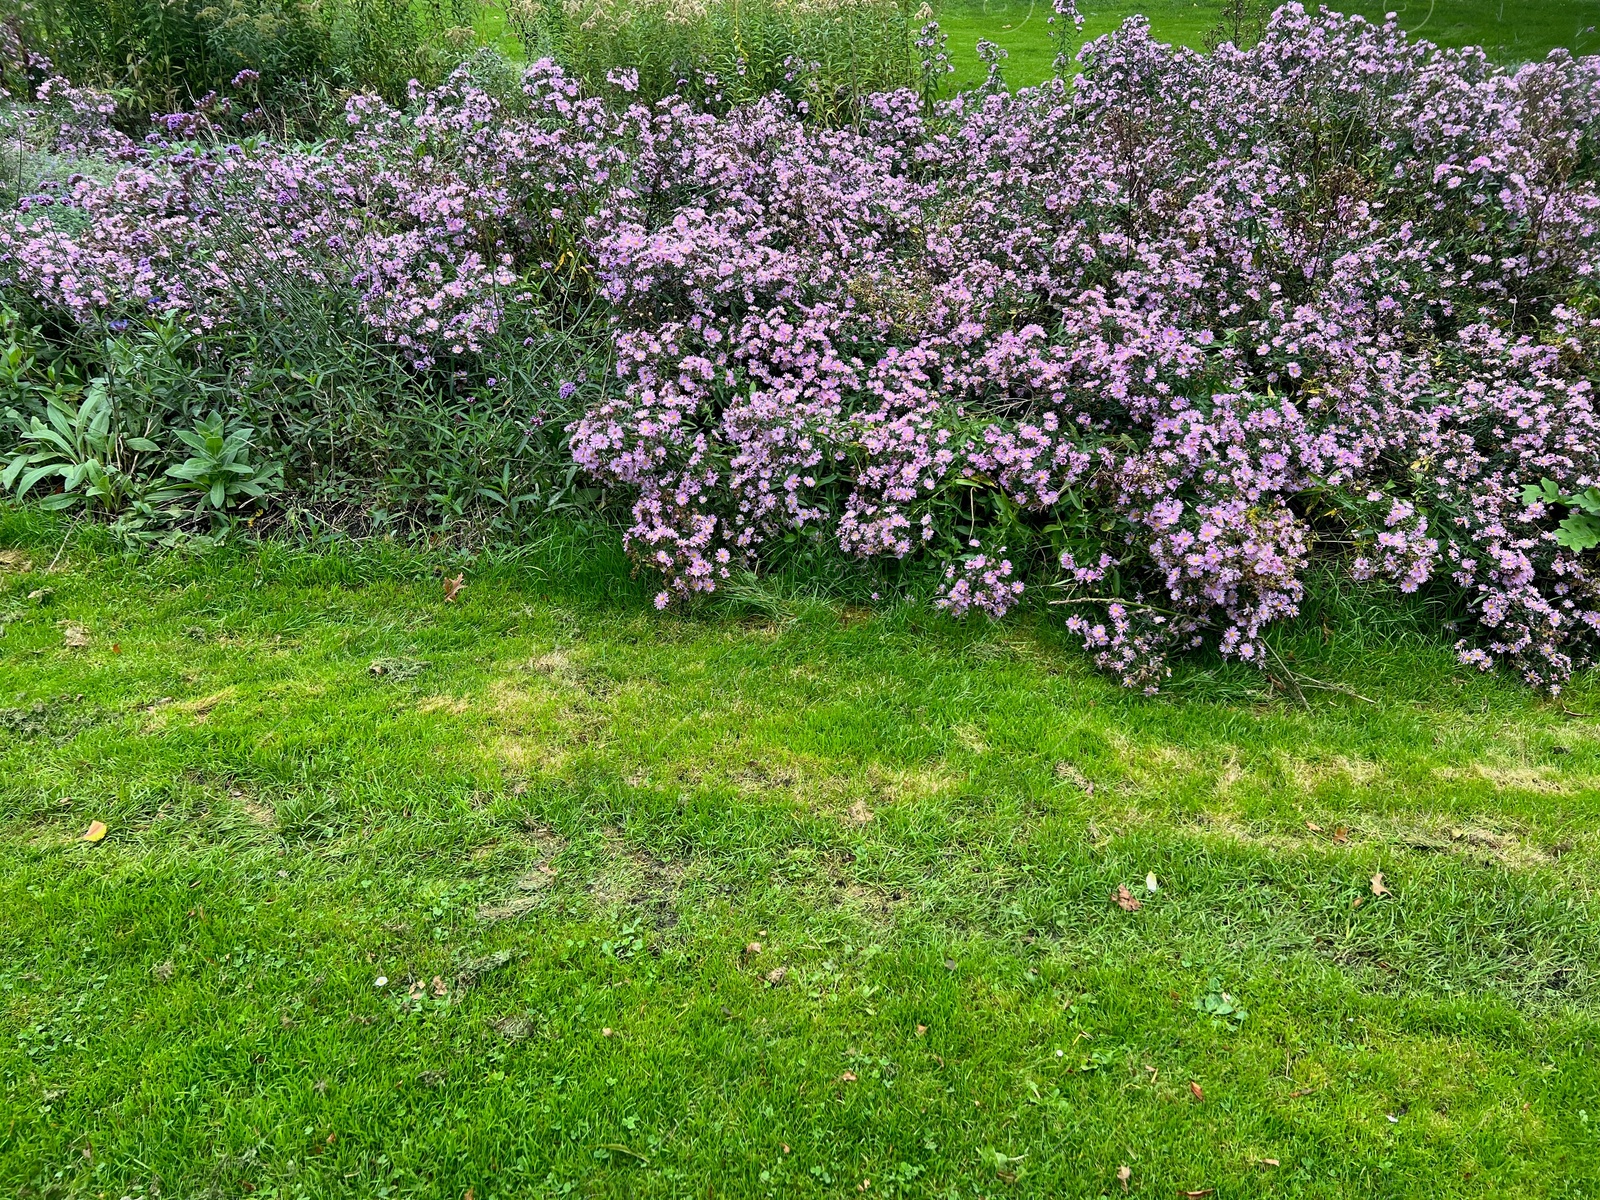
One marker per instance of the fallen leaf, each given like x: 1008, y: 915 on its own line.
x: 776, y: 976
x: 921, y: 1030
x: 1341, y: 835
x: 949, y: 964
x: 1378, y: 888
x: 1197, y: 1193
x: 753, y: 948
x: 15, y: 560
x: 1194, y: 1090
x: 1150, y: 884
x: 116, y: 647
x: 95, y: 833
x: 1356, y: 903
x: 439, y: 988
x: 1124, y: 1173
x: 848, y: 1077
x: 1314, y: 827
x: 605, y: 1031
x: 75, y: 637
x: 452, y: 587
x: 468, y: 1195
x: 784, y: 1146
x: 1269, y: 1162
x: 1125, y: 899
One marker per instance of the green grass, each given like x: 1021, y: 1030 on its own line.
x: 577, y: 814
x: 1511, y: 33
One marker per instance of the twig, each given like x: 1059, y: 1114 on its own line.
x: 59, y: 550
x: 1294, y: 686
x: 1306, y: 681
x: 1572, y: 712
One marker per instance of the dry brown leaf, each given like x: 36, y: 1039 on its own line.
x: 922, y: 1030
x: 95, y: 833
x: 1341, y: 834
x: 1194, y: 1090
x: 468, y: 1195
x: 776, y: 976
x: 1314, y: 827
x: 452, y: 587
x: 784, y: 1146
x: 1197, y: 1193
x: 753, y: 948
x: 1126, y: 900
x: 1378, y: 889
x: 848, y: 1077
x: 75, y: 637
x: 1269, y: 1162
x: 1124, y: 1173
x: 1356, y: 903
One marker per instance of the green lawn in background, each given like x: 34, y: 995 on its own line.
x: 404, y: 897
x: 1511, y: 33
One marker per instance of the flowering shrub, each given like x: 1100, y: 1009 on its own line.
x: 1170, y: 332
x: 1188, y: 321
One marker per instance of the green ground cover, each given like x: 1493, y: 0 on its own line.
x: 406, y: 897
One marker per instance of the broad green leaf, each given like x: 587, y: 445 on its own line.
x: 1579, y: 532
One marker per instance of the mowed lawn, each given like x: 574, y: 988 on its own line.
x: 541, y: 893
x: 1511, y: 33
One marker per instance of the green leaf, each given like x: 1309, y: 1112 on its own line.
x: 1579, y: 532
x: 143, y: 445
x: 32, y: 477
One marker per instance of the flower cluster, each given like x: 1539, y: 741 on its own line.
x: 1181, y: 325
x: 1195, y: 319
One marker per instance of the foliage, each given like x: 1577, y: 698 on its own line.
x: 823, y: 53
x: 80, y: 447
x: 279, y: 60
x: 219, y: 476
x: 1581, y: 528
